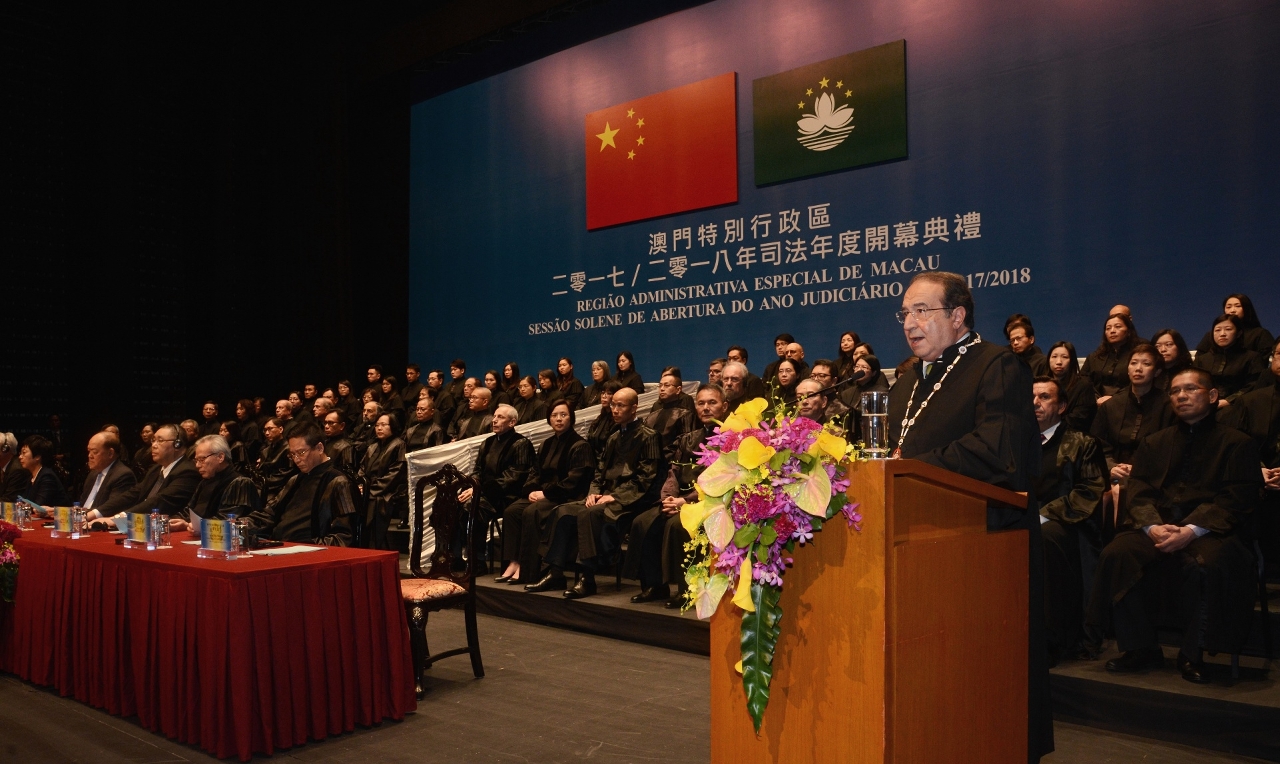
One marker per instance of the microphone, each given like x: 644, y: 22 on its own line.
x: 857, y: 375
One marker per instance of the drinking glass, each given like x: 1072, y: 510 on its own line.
x: 875, y: 424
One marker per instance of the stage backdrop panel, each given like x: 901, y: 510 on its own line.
x: 1064, y: 158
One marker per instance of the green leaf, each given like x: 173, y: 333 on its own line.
x: 762, y: 553
x: 768, y: 535
x: 746, y: 536
x: 759, y: 639
x: 816, y: 522
x: 779, y: 459
x: 806, y: 460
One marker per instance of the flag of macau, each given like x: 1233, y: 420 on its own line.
x: 836, y: 114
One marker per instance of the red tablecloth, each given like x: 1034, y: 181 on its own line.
x: 237, y: 657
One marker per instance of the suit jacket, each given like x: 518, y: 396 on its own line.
x: 172, y: 497
x: 119, y: 478
x: 14, y: 481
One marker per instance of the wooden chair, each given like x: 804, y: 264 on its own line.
x: 440, y: 586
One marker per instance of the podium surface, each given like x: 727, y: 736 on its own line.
x: 906, y: 642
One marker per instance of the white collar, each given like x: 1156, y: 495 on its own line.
x: 1048, y: 434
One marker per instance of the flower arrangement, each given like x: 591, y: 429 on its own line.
x: 9, y: 559
x: 768, y: 486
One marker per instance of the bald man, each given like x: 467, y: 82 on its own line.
x: 476, y: 420
x: 795, y: 354
x: 107, y: 473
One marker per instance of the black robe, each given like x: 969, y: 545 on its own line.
x: 655, y: 554
x: 1082, y: 404
x: 422, y: 435
x: 600, y: 430
x: 1035, y: 360
x: 503, y: 465
x: 530, y: 410
x: 590, y: 395
x: 1257, y: 414
x: 563, y: 472
x: 386, y: 490
x: 1255, y: 338
x: 343, y: 453
x: 276, y: 468
x: 471, y: 424
x: 313, y: 507
x: 1234, y: 368
x: 1124, y: 420
x: 670, y: 420
x: 630, y: 379
x: 1107, y: 368
x: 981, y: 424
x: 228, y: 492
x: 571, y: 390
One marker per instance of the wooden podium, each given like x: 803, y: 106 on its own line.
x: 906, y: 642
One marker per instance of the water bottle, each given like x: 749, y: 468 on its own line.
x: 155, y: 528
x: 77, y: 519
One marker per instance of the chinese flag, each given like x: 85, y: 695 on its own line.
x: 669, y: 152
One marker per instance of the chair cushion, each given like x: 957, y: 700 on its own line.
x: 419, y: 589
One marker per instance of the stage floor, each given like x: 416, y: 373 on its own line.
x: 549, y: 695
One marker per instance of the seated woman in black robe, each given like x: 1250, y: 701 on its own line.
x: 1129, y: 416
x: 562, y: 474
x: 497, y: 395
x: 548, y: 389
x: 873, y: 381
x: 230, y: 432
x: 529, y: 407
x: 1255, y: 338
x: 627, y: 375
x: 1106, y: 367
x: 36, y: 457
x: 1173, y: 349
x: 511, y: 381
x: 1077, y: 392
x: 391, y: 401
x: 570, y: 386
x: 1234, y: 367
x: 591, y: 393
x: 844, y: 359
x: 384, y: 482
x: 783, y: 390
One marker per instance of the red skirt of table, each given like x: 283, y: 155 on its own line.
x: 237, y: 657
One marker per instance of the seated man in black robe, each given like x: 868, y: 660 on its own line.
x: 669, y: 417
x: 978, y: 423
x: 733, y: 379
x: 336, y: 443
x: 424, y: 432
x: 503, y: 464
x: 1180, y: 556
x: 752, y: 386
x: 562, y: 473
x: 274, y: 465
x: 222, y: 491
x: 1072, y: 480
x: 315, y: 506
x: 476, y: 419
x: 627, y: 480
x: 1257, y: 414
x: 656, y: 554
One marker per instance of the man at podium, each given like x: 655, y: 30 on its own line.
x: 966, y: 406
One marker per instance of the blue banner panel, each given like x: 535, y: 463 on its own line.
x: 1065, y: 157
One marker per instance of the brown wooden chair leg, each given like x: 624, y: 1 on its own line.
x: 418, y: 644
x: 473, y: 638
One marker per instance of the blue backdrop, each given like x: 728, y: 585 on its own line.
x: 1120, y: 152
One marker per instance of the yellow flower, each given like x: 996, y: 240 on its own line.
x: 829, y: 444
x: 743, y: 596
x: 746, y: 416
x: 752, y: 453
x: 692, y: 515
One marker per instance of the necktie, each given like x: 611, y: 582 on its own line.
x: 1043, y: 439
x: 155, y: 488
x: 93, y: 494
x: 928, y: 369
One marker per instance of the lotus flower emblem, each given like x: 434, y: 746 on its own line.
x: 827, y: 127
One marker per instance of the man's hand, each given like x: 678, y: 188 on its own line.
x: 1223, y: 402
x: 597, y: 499
x: 1121, y: 471
x: 672, y: 504
x: 537, y: 496
x: 1104, y: 399
x: 465, y: 496
x: 178, y: 525
x: 1271, y: 478
x: 1159, y: 533
x: 1177, y: 538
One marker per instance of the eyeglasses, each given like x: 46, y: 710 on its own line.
x: 299, y: 454
x: 199, y: 460
x: 1188, y: 389
x: 919, y: 313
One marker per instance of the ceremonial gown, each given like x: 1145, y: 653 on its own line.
x: 1107, y: 368
x: 531, y: 410
x: 276, y: 468
x: 1255, y: 338
x: 669, y: 419
x: 1035, y: 360
x: 599, y: 432
x: 1257, y: 414
x: 503, y: 465
x: 1206, y: 475
x: 590, y: 395
x: 343, y: 453
x: 228, y: 492
x: 313, y: 508
x: 571, y: 390
x: 655, y: 554
x: 1125, y: 419
x: 630, y: 379
x: 1234, y: 368
x: 471, y: 424
x: 1073, y: 478
x: 563, y: 472
x: 1082, y: 404
x: 422, y: 435
x: 386, y: 490
x: 630, y: 470
x: 980, y: 424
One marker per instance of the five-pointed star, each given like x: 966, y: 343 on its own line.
x: 631, y: 113
x: 808, y: 91
x: 848, y: 93
x: 631, y: 155
x: 839, y: 83
x: 800, y: 105
x: 823, y: 82
x: 640, y: 141
x: 606, y: 138
x: 640, y: 122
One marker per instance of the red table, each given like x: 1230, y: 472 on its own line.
x: 237, y: 657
